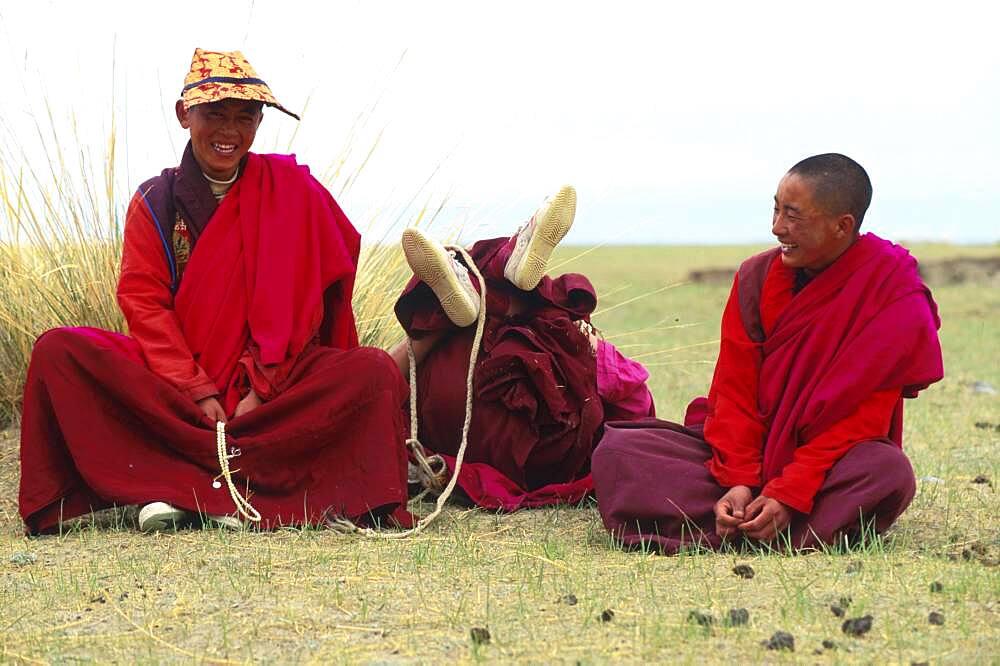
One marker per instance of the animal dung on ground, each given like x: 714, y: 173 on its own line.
x: 744, y: 571
x: 857, y: 626
x: 936, y: 618
x: 607, y: 615
x: 981, y: 479
x: 781, y: 640
x: 829, y: 645
x: 738, y: 617
x: 480, y: 635
x: 837, y: 610
x: 703, y: 619
x: 937, y: 587
x: 569, y: 599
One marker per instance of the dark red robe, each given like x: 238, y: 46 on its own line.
x: 805, y: 406
x: 264, y: 302
x: 538, y: 404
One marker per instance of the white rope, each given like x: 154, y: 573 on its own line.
x: 344, y: 524
x: 243, y: 505
x: 431, y: 470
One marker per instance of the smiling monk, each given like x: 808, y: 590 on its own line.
x: 800, y: 438
x: 236, y: 280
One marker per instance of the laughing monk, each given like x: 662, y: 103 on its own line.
x: 800, y: 439
x: 544, y: 381
x: 236, y: 281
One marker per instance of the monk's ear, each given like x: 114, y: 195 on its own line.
x: 182, y: 114
x: 846, y: 225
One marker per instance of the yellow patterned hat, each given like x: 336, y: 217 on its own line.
x: 219, y: 75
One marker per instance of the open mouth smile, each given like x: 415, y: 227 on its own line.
x: 224, y: 148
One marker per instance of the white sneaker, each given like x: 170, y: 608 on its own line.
x: 160, y: 517
x: 225, y: 522
x: 444, y: 274
x: 537, y: 239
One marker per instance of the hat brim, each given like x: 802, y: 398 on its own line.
x: 209, y: 92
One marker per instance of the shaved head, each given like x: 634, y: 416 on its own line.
x: 840, y: 185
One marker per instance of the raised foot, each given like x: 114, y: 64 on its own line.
x: 444, y: 274
x: 538, y: 238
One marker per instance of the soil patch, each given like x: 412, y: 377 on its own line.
x: 712, y: 275
x: 982, y: 271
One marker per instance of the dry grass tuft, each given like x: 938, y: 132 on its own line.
x: 60, y: 247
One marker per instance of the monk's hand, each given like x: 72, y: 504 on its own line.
x: 213, y: 409
x: 766, y: 517
x: 248, y: 404
x: 730, y: 510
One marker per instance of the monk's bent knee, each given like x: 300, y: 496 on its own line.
x: 378, y: 367
x: 886, y: 466
x: 55, y: 347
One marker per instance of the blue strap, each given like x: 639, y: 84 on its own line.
x: 246, y: 81
x: 167, y: 247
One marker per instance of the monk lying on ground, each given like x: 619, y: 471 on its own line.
x: 799, y: 441
x: 544, y: 382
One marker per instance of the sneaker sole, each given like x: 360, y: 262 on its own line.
x: 160, y: 518
x: 432, y: 264
x: 549, y: 230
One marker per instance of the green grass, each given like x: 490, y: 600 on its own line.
x: 103, y: 592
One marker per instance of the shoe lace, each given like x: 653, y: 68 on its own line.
x: 461, y: 272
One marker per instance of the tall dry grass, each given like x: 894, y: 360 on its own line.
x: 61, y: 224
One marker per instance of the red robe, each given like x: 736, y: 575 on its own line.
x: 215, y: 336
x: 735, y: 428
x: 110, y: 419
x: 805, y: 404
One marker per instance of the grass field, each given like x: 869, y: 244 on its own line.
x: 540, y: 581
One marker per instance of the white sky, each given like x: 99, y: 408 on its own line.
x: 674, y: 120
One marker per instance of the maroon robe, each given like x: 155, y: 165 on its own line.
x: 536, y: 406
x: 272, y: 271
x: 865, y: 325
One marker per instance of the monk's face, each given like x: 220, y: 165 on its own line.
x: 221, y: 133
x: 810, y: 237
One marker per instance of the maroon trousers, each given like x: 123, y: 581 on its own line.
x: 100, y: 429
x: 536, y: 408
x: 653, y: 487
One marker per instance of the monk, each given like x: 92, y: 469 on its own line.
x: 799, y: 443
x: 236, y: 280
x: 544, y: 381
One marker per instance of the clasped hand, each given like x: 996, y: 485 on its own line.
x: 214, y: 411
x: 761, y: 518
